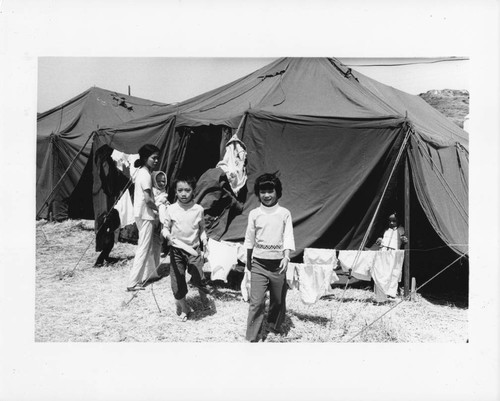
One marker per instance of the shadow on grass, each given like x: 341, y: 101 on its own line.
x: 456, y: 300
x: 319, y: 320
x: 338, y: 298
x: 226, y: 294
x: 282, y: 337
x: 200, y: 310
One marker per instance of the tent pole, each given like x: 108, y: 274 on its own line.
x: 406, y: 263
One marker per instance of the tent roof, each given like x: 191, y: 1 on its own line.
x: 95, y: 108
x: 314, y: 87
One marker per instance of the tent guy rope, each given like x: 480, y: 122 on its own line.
x: 403, y: 299
x: 365, y: 237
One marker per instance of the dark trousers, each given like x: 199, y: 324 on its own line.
x: 108, y: 241
x: 180, y: 261
x: 265, y: 277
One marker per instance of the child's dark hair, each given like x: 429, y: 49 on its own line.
x: 144, y: 152
x: 268, y: 181
x: 191, y: 181
x: 395, y: 214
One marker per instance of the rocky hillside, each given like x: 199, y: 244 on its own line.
x: 453, y: 103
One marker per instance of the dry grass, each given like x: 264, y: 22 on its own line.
x: 78, y: 303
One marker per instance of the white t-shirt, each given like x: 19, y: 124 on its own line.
x: 392, y: 238
x: 142, y: 182
x: 186, y: 223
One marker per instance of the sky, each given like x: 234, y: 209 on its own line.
x: 175, y: 79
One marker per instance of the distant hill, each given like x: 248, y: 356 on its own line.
x: 453, y: 103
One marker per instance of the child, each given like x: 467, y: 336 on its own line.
x: 269, y: 240
x: 394, y: 236
x: 184, y: 228
x: 392, y: 240
x: 159, y: 179
x: 105, y: 237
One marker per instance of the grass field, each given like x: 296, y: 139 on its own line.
x: 78, y: 303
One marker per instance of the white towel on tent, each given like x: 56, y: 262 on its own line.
x: 125, y: 210
x: 364, y: 262
x: 318, y: 256
x: 386, y: 270
x: 222, y: 258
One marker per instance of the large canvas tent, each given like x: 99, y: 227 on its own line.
x: 63, y: 147
x: 335, y: 136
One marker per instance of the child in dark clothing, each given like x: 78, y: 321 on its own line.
x: 105, y: 238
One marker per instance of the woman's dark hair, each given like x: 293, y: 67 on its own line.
x: 144, y: 152
x: 268, y: 181
x: 191, y: 181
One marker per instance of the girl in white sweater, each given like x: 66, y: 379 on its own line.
x: 269, y: 240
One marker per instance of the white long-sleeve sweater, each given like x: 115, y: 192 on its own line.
x: 269, y: 232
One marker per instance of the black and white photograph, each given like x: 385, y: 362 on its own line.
x: 375, y: 180
x: 178, y: 192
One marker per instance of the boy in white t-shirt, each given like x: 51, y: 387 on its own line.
x: 184, y: 228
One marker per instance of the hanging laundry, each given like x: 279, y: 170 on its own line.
x: 318, y: 256
x: 222, y: 258
x: 125, y: 210
x: 314, y: 281
x: 364, y: 262
x: 386, y: 272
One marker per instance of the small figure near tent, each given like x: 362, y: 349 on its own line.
x: 387, y: 270
x: 269, y: 240
x: 394, y: 236
x: 147, y: 254
x: 106, y: 192
x: 184, y: 228
x: 105, y: 237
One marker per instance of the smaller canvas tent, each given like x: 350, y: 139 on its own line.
x: 63, y: 143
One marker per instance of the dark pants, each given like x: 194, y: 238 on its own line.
x: 180, y: 261
x: 108, y: 241
x: 265, y: 277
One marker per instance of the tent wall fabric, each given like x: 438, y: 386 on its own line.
x: 63, y: 141
x: 333, y: 134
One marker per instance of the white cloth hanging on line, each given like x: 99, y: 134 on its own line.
x: 312, y: 281
x: 222, y: 257
x: 364, y: 263
x: 125, y: 209
x: 387, y: 271
x: 318, y: 256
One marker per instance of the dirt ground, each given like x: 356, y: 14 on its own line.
x: 78, y: 303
